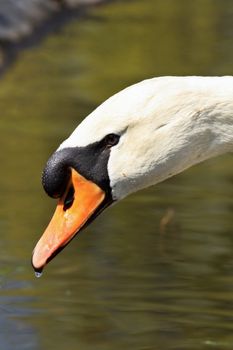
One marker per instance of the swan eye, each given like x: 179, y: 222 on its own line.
x: 111, y: 140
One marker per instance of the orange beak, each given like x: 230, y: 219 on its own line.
x: 79, y: 202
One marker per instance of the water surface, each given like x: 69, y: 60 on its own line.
x: 130, y: 279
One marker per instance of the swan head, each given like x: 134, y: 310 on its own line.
x: 138, y: 137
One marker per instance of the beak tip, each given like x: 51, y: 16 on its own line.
x: 37, y: 269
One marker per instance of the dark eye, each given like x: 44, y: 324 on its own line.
x: 111, y: 140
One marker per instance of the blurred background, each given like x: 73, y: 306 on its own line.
x: 154, y: 271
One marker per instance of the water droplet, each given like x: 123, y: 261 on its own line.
x: 38, y: 274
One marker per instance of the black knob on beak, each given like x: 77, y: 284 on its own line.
x: 56, y: 173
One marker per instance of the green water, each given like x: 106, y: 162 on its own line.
x: 127, y: 281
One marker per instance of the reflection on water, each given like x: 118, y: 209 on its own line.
x: 125, y: 281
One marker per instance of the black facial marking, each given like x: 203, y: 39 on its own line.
x: 90, y: 161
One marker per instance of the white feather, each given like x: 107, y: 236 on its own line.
x: 167, y: 124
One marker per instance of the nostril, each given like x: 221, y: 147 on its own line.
x: 69, y: 199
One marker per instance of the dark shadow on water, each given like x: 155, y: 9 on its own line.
x: 54, y: 24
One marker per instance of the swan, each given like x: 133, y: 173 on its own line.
x: 139, y: 137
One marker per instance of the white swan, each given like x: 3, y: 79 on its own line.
x: 144, y: 134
